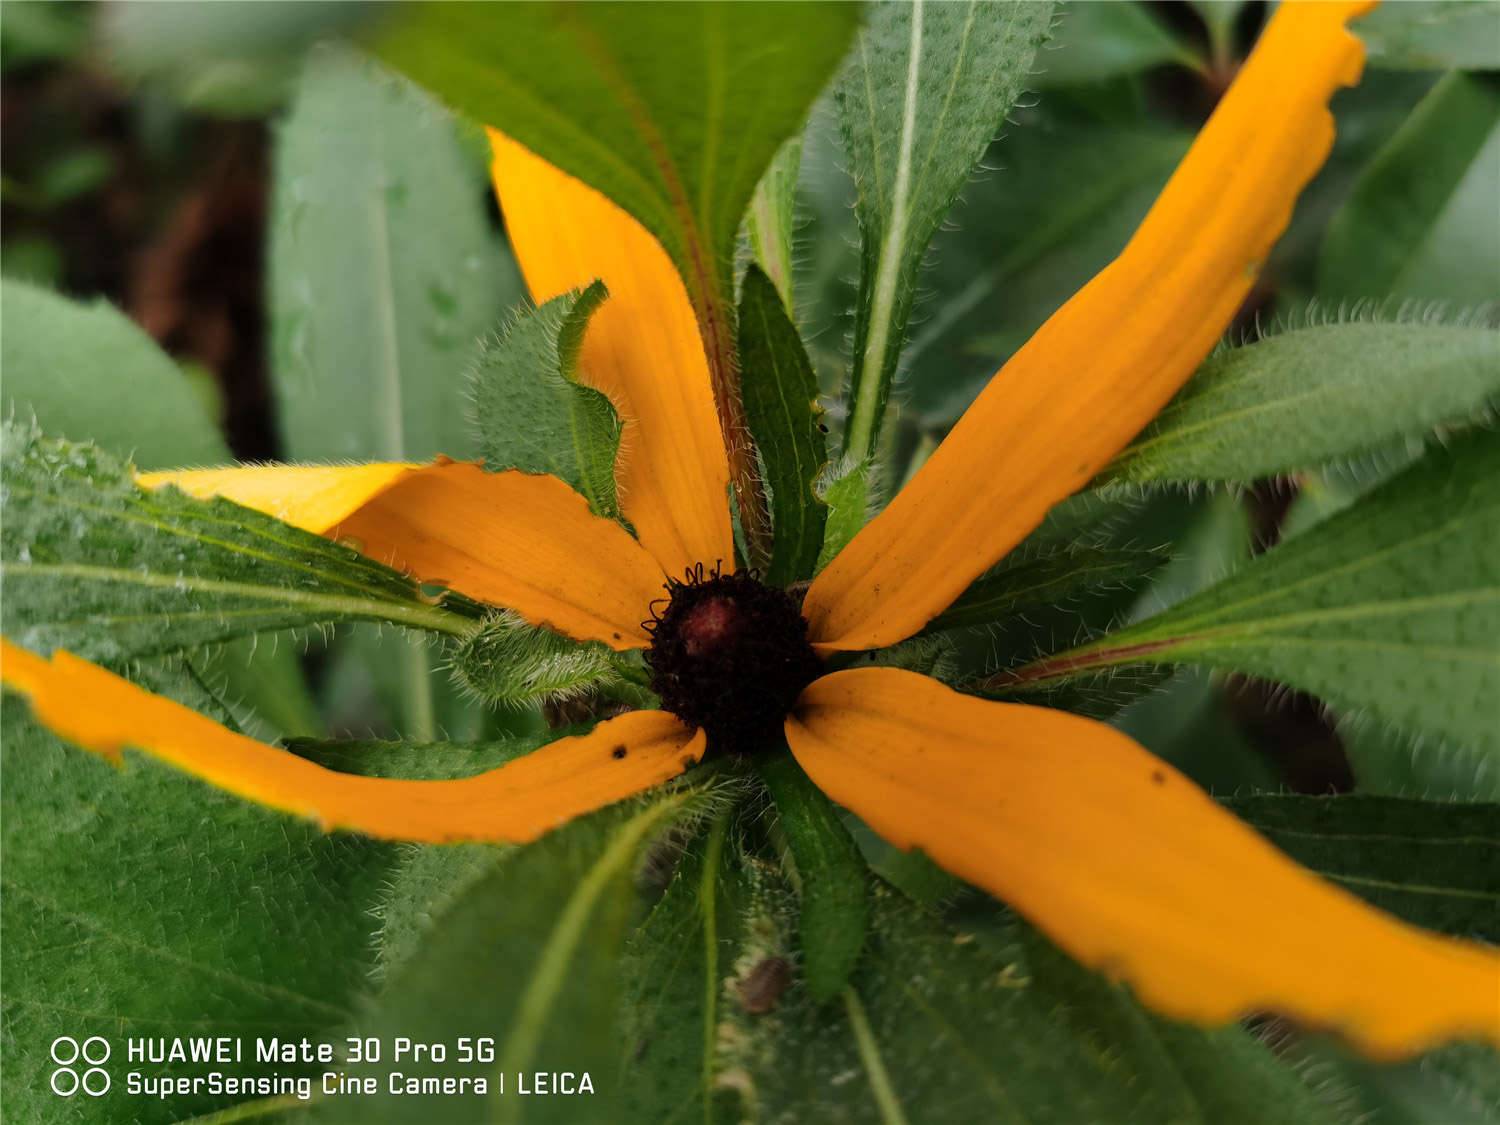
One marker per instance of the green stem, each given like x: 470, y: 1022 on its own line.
x: 707, y: 902
x: 864, y: 422
x: 869, y: 1054
x: 1076, y: 662
x: 421, y: 715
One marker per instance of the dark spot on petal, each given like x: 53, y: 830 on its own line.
x: 618, y: 752
x: 1158, y: 777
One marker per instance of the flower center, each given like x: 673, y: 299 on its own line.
x: 730, y: 655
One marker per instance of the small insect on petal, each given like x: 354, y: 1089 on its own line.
x: 760, y: 989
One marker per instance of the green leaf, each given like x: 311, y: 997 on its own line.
x: 678, y: 981
x: 508, y: 663
x: 1389, y: 763
x: 88, y: 373
x: 927, y: 654
x: 1189, y: 722
x: 1098, y: 41
x: 1206, y: 537
x: 33, y: 259
x: 1025, y: 582
x: 964, y: 1024
x: 830, y: 876
x: 140, y: 902
x: 769, y: 223
x: 1366, y: 117
x: 1434, y: 863
x: 426, y: 879
x: 911, y: 873
x: 1069, y: 198
x: 1390, y: 608
x: 925, y: 92
x: 847, y: 496
x: 526, y: 952
x: 1433, y: 35
x: 1312, y: 396
x: 107, y: 570
x: 1458, y: 1085
x: 426, y: 883
x: 233, y: 57
x: 424, y: 761
x: 1180, y: 1072
x: 1421, y: 221
x: 77, y: 172
x: 976, y: 1020
x: 1102, y: 695
x: 531, y: 411
x: 385, y: 269
x: 38, y: 30
x: 781, y: 405
x: 671, y: 110
x: 265, y: 685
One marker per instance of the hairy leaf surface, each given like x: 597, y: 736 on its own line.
x: 98, y: 566
x: 982, y: 1020
x: 140, y: 902
x: 531, y: 411
x: 925, y: 91
x: 1045, y: 579
x: 508, y: 663
x: 86, y: 373
x: 1308, y: 397
x: 1390, y: 608
x: 770, y: 222
x: 847, y: 497
x: 525, y: 949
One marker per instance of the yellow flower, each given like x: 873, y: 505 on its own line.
x: 1117, y: 856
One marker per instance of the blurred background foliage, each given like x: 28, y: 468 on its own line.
x: 211, y: 171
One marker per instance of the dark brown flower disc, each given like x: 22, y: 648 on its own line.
x: 730, y: 654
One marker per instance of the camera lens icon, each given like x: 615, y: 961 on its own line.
x: 68, y: 1053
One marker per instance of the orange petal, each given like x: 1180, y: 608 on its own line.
x: 515, y: 803
x: 1111, y: 357
x: 313, y: 497
x: 518, y: 540
x: 643, y: 349
x: 1130, y: 867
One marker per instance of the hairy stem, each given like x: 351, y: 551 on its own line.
x: 716, y: 324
